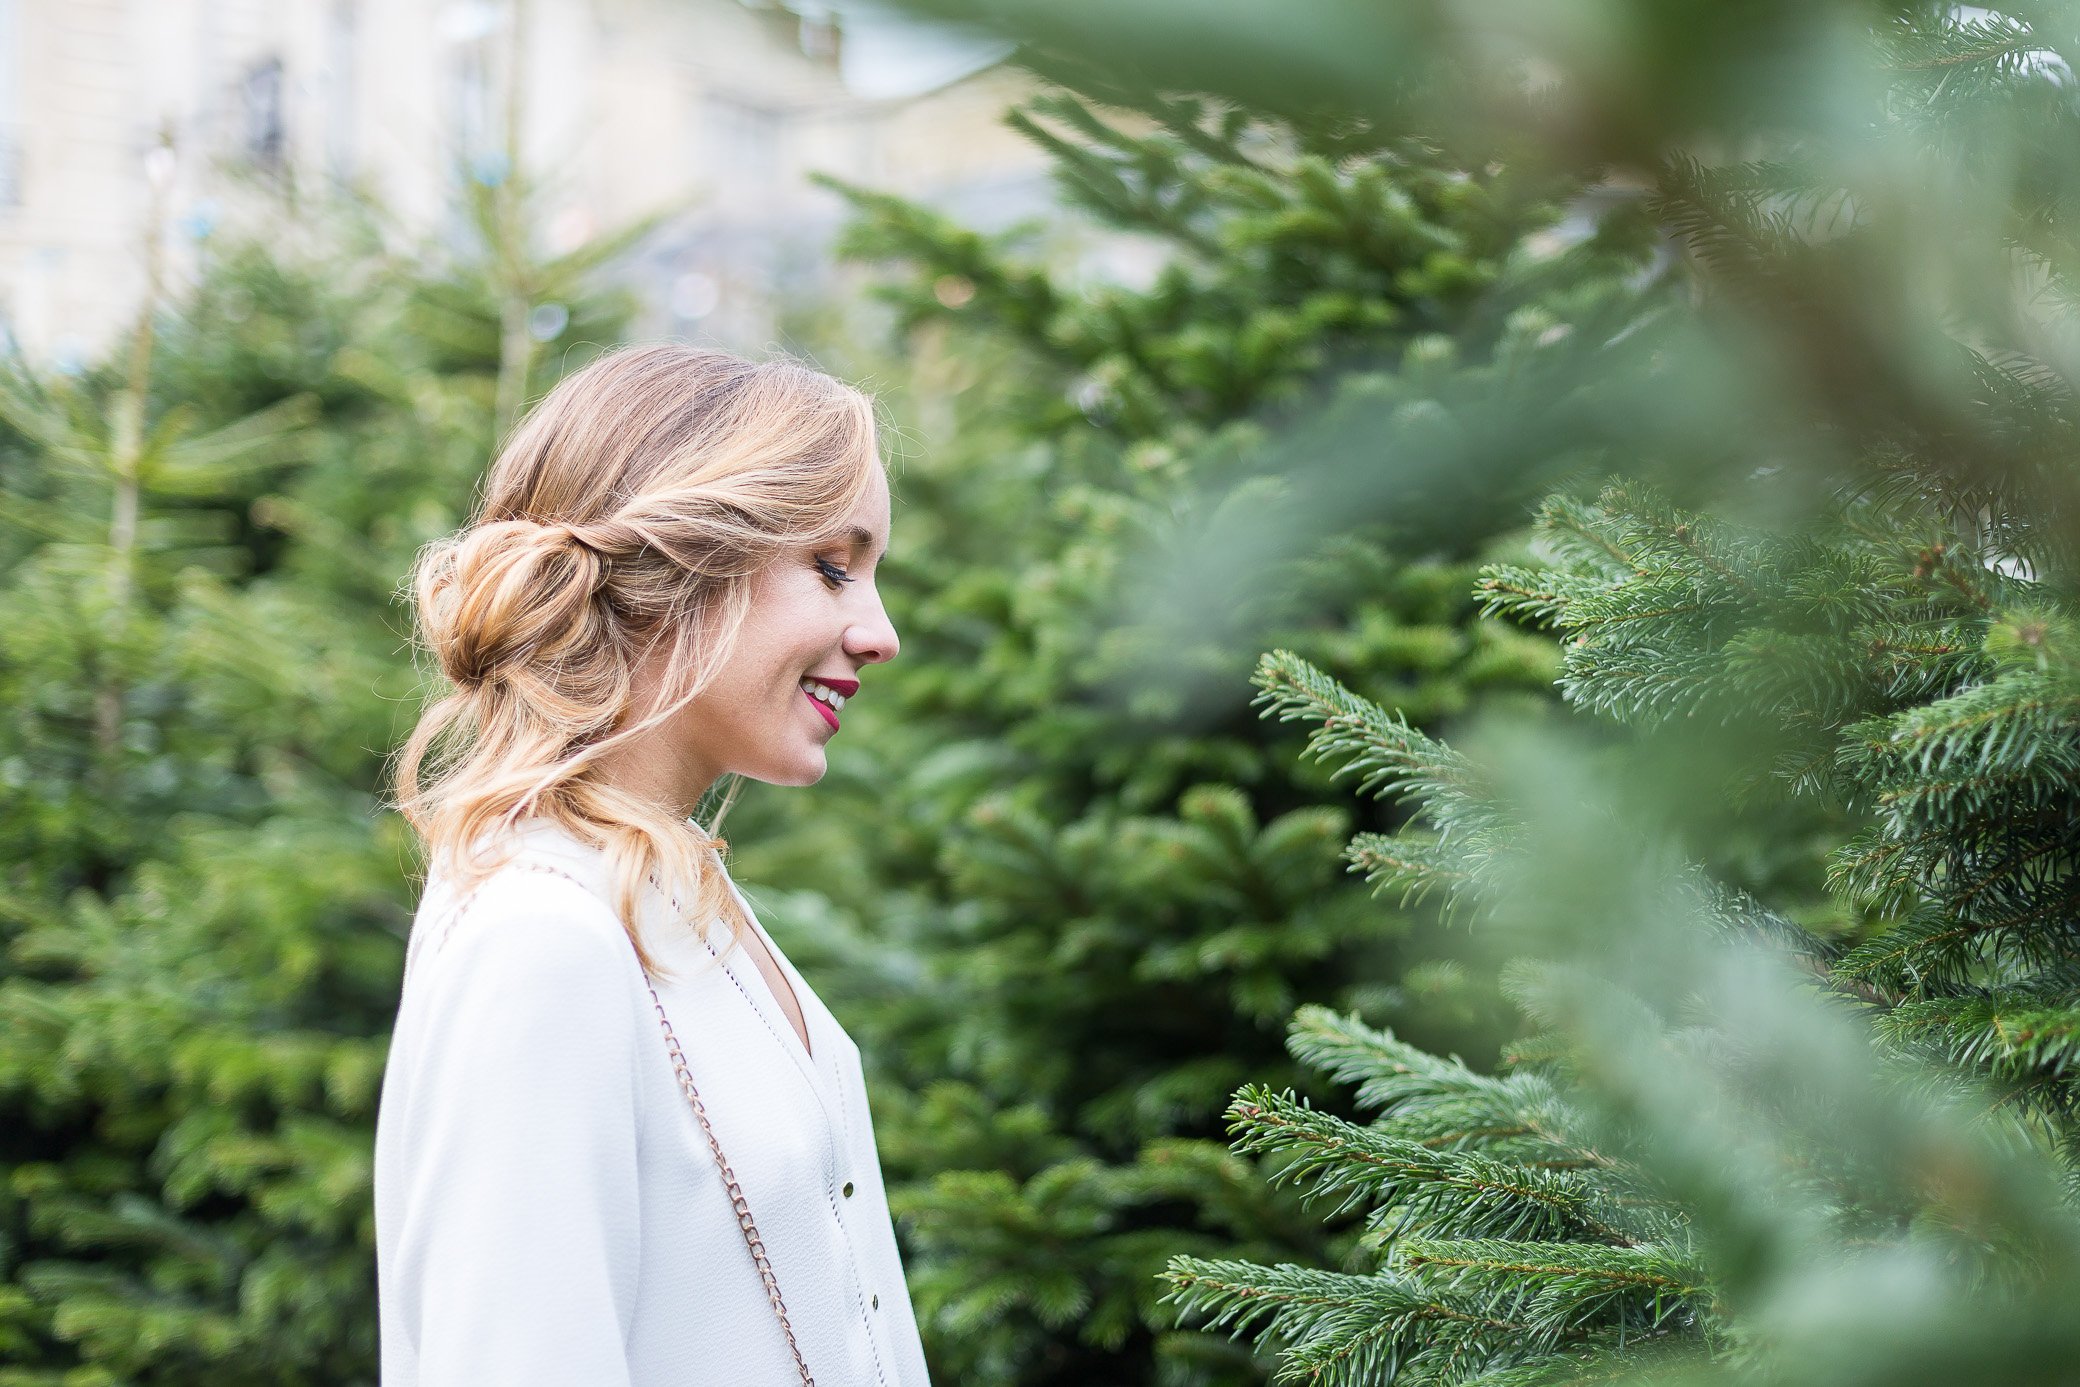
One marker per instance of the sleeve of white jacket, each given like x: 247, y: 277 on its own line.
x: 517, y: 1256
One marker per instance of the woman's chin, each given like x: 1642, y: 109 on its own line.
x: 805, y: 771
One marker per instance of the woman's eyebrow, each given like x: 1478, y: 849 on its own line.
x: 861, y: 539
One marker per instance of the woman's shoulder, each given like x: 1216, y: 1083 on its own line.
x: 516, y: 976
x: 506, y: 866
x: 535, y: 911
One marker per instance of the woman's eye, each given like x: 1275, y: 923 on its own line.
x: 831, y: 572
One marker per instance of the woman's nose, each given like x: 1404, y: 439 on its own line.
x: 875, y: 641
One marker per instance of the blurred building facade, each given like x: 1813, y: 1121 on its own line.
x: 713, y: 112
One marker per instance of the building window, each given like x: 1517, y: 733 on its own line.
x: 817, y: 33
x: 260, y: 99
x: 471, y: 117
x: 472, y: 32
x: 11, y: 127
x: 342, y: 42
x: 11, y: 161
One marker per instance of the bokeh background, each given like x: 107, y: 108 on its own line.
x: 1481, y: 785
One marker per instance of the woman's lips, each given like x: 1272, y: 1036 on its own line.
x: 829, y: 715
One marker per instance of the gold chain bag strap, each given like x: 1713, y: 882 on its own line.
x: 736, y: 1192
x: 745, y: 1222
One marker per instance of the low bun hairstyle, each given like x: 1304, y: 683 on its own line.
x: 627, y: 514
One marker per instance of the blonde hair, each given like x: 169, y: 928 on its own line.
x: 631, y: 508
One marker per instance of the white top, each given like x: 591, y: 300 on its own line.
x: 547, y: 1209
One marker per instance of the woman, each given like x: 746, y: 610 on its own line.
x: 620, y: 1140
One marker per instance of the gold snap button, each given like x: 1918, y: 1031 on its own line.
x: 848, y: 1189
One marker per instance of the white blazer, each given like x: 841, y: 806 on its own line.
x: 547, y: 1208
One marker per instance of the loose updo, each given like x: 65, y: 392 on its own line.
x: 628, y: 513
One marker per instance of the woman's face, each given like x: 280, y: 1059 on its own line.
x: 815, y: 614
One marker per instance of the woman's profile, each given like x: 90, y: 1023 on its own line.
x: 620, y: 1141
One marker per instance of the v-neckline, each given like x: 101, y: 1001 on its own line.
x: 543, y: 832
x: 804, y: 1051
x: 772, y: 957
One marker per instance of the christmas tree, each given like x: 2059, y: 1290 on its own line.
x: 1752, y: 1138
x: 1541, y: 1226
x: 204, y: 901
x: 1067, y: 889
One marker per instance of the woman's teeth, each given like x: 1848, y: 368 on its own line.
x: 818, y: 691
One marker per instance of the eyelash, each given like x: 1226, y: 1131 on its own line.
x: 832, y: 573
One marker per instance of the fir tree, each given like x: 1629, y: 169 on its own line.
x: 1077, y: 896
x: 1861, y: 581
x: 1528, y: 1228
x: 196, y: 967
x: 204, y: 902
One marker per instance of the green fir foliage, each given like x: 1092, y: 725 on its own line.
x: 1085, y: 889
x: 204, y: 902
x: 1758, y: 1135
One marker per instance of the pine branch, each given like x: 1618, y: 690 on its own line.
x: 1558, y: 1289
x: 1739, y: 916
x: 1755, y: 224
x: 1876, y: 868
x: 1440, y: 1102
x: 1600, y: 1361
x: 2026, y: 405
x: 1342, y: 1329
x: 1418, y: 866
x: 2016, y: 1034
x: 1393, y: 760
x: 886, y: 227
x: 1415, y: 1185
x: 1580, y: 534
x: 1928, y: 951
x: 1142, y: 186
x: 1924, y: 659
x: 1535, y: 596
x: 204, y: 464
x: 1913, y: 44
x: 2005, y: 727
x: 1185, y: 116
